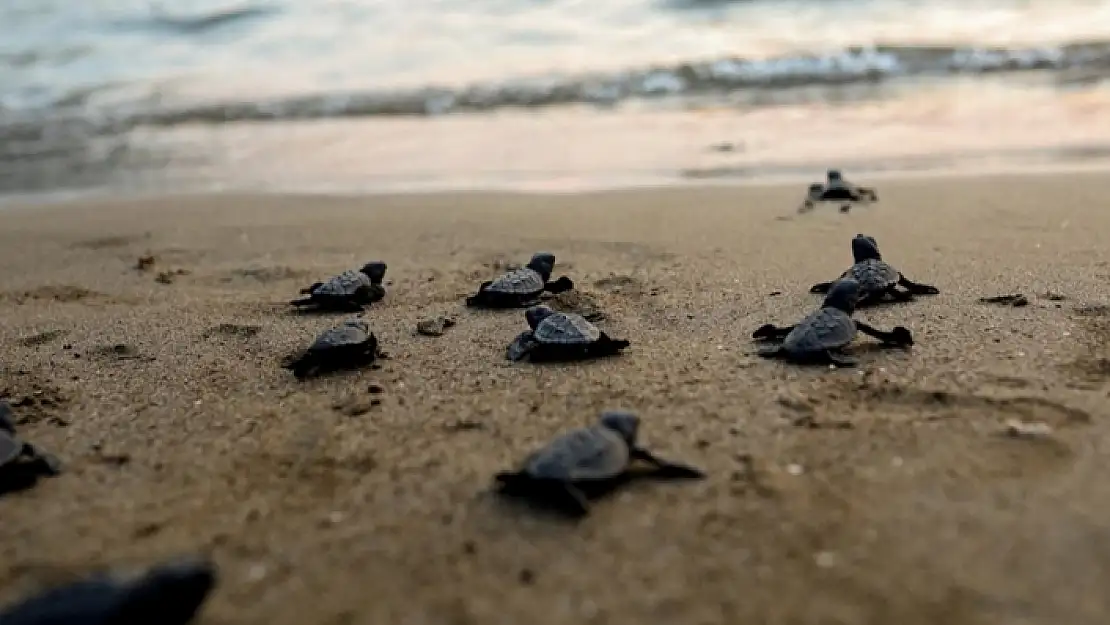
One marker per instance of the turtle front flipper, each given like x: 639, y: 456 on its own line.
x: 867, y: 194
x: 564, y: 496
x: 561, y: 285
x: 821, y: 287
x: 897, y: 294
x: 770, y: 332
x: 46, y: 463
x: 521, y: 346
x: 917, y: 288
x: 898, y: 336
x: 664, y: 468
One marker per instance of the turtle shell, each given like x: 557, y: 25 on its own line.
x: 827, y: 328
x: 566, y: 329
x: 10, y: 448
x: 839, y: 190
x: 592, y: 453
x: 347, y: 334
x: 345, y: 284
x: 874, y: 276
x: 521, y: 281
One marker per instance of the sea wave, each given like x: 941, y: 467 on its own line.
x: 741, y: 80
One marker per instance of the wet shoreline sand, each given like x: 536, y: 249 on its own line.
x: 887, y: 494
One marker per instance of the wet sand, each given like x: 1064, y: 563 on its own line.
x: 888, y: 494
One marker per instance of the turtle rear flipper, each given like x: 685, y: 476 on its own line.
x: 608, y: 346
x: 304, y: 301
x: 840, y: 359
x: 309, y: 289
x: 917, y: 288
x: 307, y: 365
x: 561, y: 285
x: 771, y: 351
x: 898, y: 336
x: 521, y: 346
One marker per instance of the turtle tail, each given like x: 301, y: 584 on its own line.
x: 304, y: 367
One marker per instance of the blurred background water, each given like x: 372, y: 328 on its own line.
x: 382, y: 95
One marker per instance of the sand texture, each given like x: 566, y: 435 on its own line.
x: 884, y: 495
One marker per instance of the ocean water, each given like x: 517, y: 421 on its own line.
x: 367, y: 94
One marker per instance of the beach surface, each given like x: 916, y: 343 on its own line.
x: 886, y: 494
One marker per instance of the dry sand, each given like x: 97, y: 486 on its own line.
x: 886, y: 495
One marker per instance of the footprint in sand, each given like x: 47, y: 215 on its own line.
x: 41, y: 338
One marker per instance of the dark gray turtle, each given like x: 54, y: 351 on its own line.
x: 347, y: 346
x: 349, y: 291
x: 837, y: 189
x: 876, y: 278
x: 171, y: 594
x: 823, y: 334
x: 560, y: 336
x: 21, y: 463
x: 521, y: 287
x: 588, y: 461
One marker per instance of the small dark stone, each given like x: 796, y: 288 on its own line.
x: 374, y: 389
x: 526, y: 577
x: 469, y: 547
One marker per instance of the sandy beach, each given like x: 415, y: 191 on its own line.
x: 884, y: 495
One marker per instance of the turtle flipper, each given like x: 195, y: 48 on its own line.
x: 666, y: 469
x: 900, y: 295
x: 771, y: 351
x: 46, y: 463
x: 304, y: 366
x: 521, y: 346
x: 563, y: 495
x: 846, y: 208
x: 840, y: 359
x: 867, y: 194
x: 608, y: 346
x: 821, y: 287
x: 770, y: 332
x: 898, y: 336
x: 309, y: 289
x: 479, y: 298
x: 559, y: 286
x: 304, y: 301
x: 917, y: 288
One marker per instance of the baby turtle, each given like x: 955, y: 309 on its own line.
x: 21, y: 463
x: 837, y: 189
x: 170, y: 594
x: 820, y: 337
x: 876, y: 278
x: 521, y: 287
x: 591, y: 460
x: 561, y: 336
x: 347, y: 346
x: 349, y: 291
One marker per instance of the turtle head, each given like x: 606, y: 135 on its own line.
x: 542, y: 263
x: 622, y: 422
x: 171, y: 593
x: 375, y: 271
x: 536, y: 315
x: 865, y: 248
x: 843, y: 295
x: 834, y: 175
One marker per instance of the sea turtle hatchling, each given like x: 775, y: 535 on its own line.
x: 822, y: 335
x: 21, y: 463
x: 347, y: 346
x: 837, y: 189
x: 170, y: 594
x: 521, y: 287
x: 561, y: 336
x: 348, y: 291
x: 588, y: 461
x: 877, y: 279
